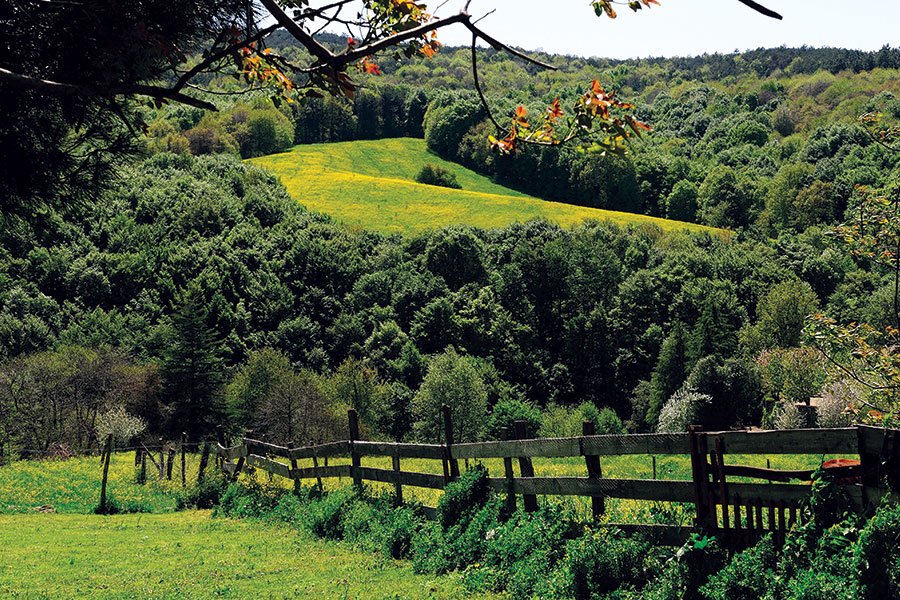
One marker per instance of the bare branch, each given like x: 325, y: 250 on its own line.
x: 309, y: 42
x: 203, y: 64
x: 761, y: 9
x: 69, y: 89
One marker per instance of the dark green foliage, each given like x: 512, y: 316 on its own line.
x: 251, y: 498
x: 192, y: 370
x: 437, y: 175
x: 603, y: 562
x: 747, y: 577
x: 463, y: 498
x: 115, y: 507
x: 325, y: 517
x: 509, y: 410
x: 878, y: 555
x: 205, y: 494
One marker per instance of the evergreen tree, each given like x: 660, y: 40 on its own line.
x: 670, y: 372
x: 192, y: 371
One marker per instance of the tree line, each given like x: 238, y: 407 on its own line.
x: 209, y: 297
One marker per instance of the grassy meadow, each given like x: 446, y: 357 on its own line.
x: 371, y: 184
x: 191, y: 555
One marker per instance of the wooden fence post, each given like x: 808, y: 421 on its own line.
x: 170, y: 463
x: 448, y: 441
x: 598, y: 504
x: 162, y: 458
x: 107, y: 453
x: 204, y: 458
x: 700, y: 476
x: 506, y: 435
x: 398, y: 485
x: 183, y: 460
x: 290, y: 447
x: 142, y: 478
x: 315, y: 460
x: 526, y: 469
x: 137, y: 456
x: 354, y: 455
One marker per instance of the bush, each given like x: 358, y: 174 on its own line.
x: 682, y: 410
x: 747, y: 577
x: 878, y: 555
x: 396, y: 533
x: 437, y: 175
x: 250, y: 499
x: 324, y: 517
x: 464, y: 497
x: 114, y: 507
x: 205, y: 494
x: 603, y: 562
x: 509, y: 410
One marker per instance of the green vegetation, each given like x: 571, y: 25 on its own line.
x: 190, y: 555
x: 553, y: 553
x: 372, y: 184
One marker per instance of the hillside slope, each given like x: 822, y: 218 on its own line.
x: 372, y: 184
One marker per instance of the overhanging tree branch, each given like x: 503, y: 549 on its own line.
x: 70, y: 89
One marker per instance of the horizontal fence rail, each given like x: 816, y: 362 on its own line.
x: 739, y: 511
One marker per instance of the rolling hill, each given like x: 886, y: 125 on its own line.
x: 372, y: 184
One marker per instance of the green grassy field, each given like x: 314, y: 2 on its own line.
x: 192, y: 555
x: 371, y: 184
x: 168, y: 554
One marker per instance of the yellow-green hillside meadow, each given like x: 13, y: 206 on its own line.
x: 371, y: 184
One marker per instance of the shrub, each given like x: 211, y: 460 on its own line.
x: 396, y: 533
x: 682, y: 410
x: 608, y: 422
x: 250, y: 499
x: 602, y: 562
x: 878, y: 555
x: 437, y: 175
x: 205, y: 494
x: 324, y: 518
x: 114, y: 507
x: 747, y: 577
x: 464, y: 497
x: 509, y: 410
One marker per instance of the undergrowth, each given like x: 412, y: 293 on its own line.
x: 550, y: 553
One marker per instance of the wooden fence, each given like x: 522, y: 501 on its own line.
x: 738, y: 512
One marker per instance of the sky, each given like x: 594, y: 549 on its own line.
x: 680, y: 27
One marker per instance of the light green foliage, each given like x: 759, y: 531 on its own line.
x: 682, y: 410
x: 453, y: 380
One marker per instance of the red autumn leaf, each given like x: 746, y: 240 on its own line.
x: 554, y: 111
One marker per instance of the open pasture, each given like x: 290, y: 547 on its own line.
x: 371, y: 184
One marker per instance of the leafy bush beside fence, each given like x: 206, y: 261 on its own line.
x: 550, y: 553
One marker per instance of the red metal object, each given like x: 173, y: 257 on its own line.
x: 844, y: 471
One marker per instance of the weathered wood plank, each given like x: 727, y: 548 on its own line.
x: 792, y: 441
x: 637, y: 489
x: 423, y: 480
x: 320, y: 473
x: 768, y: 493
x: 232, y: 453
x: 428, y: 451
x: 640, y: 443
x: 341, y: 448
x: 269, y: 465
x: 546, y: 448
x: 261, y: 448
x: 770, y: 474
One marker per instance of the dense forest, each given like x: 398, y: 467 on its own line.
x: 193, y: 292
